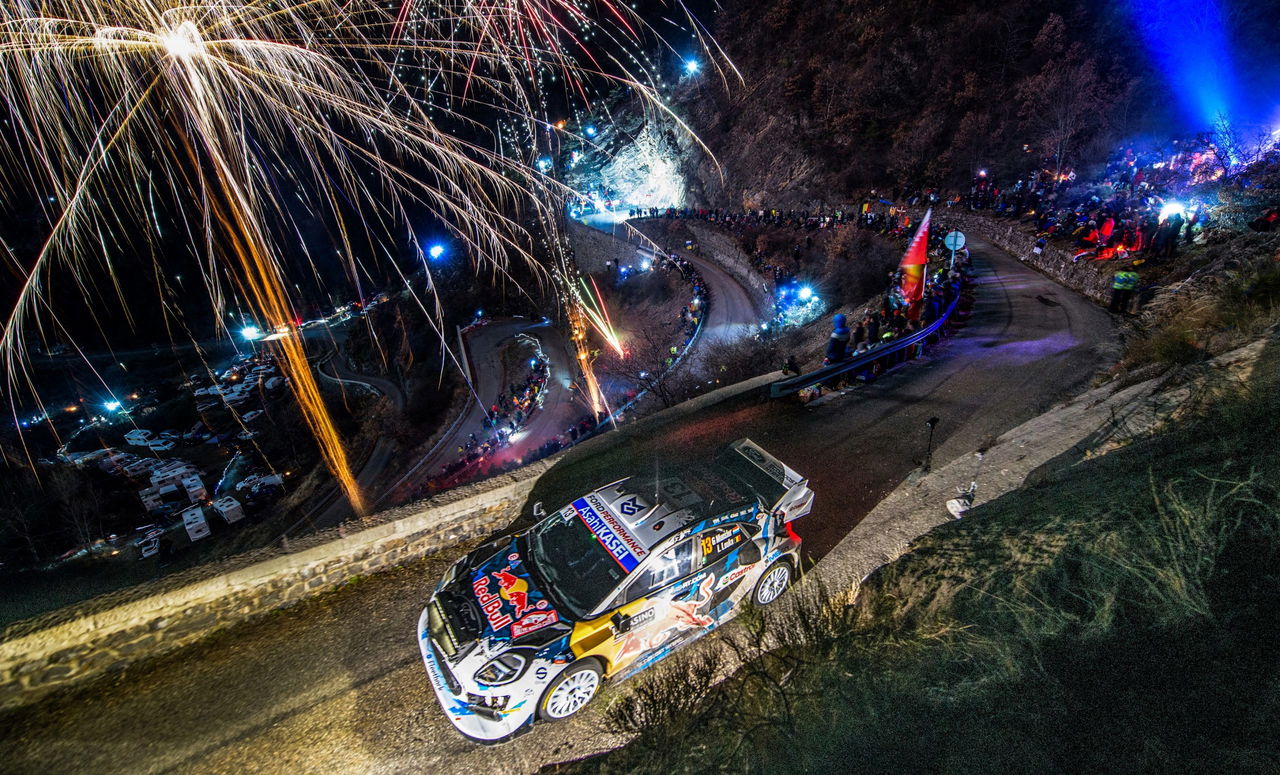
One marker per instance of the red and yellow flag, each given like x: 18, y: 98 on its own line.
x: 913, y: 266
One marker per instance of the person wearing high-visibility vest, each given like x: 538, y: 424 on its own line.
x: 1123, y: 285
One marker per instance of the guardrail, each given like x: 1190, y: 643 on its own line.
x: 793, y: 385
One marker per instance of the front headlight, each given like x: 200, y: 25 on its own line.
x: 502, y: 669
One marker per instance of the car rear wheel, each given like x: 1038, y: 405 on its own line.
x: 571, y: 691
x: 773, y: 583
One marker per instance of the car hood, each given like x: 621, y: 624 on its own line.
x: 511, y: 608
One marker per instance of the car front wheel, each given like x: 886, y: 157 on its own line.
x: 773, y: 583
x: 571, y: 691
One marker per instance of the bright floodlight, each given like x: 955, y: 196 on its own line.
x: 1171, y: 209
x: 982, y: 173
x: 644, y: 266
x: 251, y: 333
x: 435, y: 251
x: 691, y: 66
x: 806, y: 293
x: 111, y: 406
x: 591, y: 131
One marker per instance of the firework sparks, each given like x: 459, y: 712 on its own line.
x: 218, y: 107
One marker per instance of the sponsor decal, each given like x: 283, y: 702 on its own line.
x: 433, y: 671
x: 490, y: 603
x: 629, y: 507
x: 540, y: 673
x: 731, y: 577
x: 515, y: 590
x: 533, y: 622
x: 644, y: 617
x: 612, y: 534
x: 771, y: 467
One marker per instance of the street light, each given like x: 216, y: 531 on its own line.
x: 435, y: 251
x: 691, y: 66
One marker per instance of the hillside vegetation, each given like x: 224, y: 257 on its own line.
x: 1117, y: 616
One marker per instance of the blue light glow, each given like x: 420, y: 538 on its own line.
x: 691, y: 66
x: 435, y: 251
x: 591, y: 131
x: 1171, y: 209
x: 111, y: 406
x: 806, y: 293
x: 251, y: 333
x: 1188, y: 42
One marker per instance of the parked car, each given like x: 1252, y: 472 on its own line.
x: 162, y: 445
x: 251, y: 415
x: 530, y: 625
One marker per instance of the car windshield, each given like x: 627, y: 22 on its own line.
x: 569, y: 558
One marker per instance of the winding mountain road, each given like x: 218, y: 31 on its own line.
x: 336, y: 685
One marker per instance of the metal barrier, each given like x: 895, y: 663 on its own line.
x: 793, y: 385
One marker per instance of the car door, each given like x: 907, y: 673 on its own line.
x: 656, y: 612
x: 727, y: 555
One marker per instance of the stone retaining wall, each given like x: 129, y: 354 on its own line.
x: 592, y: 247
x: 1015, y: 238
x: 92, y: 639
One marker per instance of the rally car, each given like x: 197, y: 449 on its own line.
x: 529, y: 625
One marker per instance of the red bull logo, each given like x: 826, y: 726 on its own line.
x: 490, y: 603
x: 514, y: 589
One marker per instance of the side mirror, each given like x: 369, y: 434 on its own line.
x: 621, y: 623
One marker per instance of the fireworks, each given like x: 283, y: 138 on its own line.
x: 251, y: 119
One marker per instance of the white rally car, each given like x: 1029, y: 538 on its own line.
x: 528, y: 625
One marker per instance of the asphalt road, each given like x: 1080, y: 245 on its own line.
x: 560, y: 405
x: 735, y: 312
x: 336, y: 685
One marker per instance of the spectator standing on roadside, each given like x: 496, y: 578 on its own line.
x: 838, y: 344
x: 1123, y: 285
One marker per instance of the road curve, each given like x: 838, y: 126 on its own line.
x: 335, y: 685
x: 735, y: 312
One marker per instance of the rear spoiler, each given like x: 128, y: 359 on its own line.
x: 776, y: 469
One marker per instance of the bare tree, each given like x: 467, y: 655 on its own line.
x: 650, y: 366
x: 1067, y: 99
